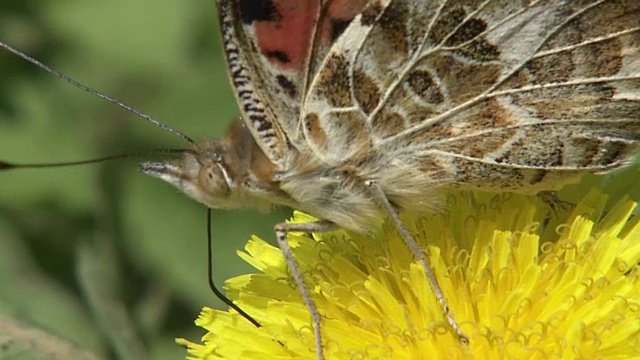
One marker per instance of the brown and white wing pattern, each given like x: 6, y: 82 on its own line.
x: 513, y: 95
x: 271, y: 46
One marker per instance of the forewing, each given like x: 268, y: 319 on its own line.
x: 479, y: 86
x: 271, y: 47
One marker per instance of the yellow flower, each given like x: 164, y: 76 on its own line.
x: 524, y: 282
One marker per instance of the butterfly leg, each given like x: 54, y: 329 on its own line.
x: 419, y: 254
x: 554, y: 202
x: 281, y: 234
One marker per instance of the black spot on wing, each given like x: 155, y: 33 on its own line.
x: 337, y: 28
x: 287, y: 85
x: 258, y: 10
x: 279, y: 56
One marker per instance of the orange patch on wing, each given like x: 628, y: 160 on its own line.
x: 286, y: 39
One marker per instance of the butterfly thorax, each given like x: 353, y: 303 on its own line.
x: 336, y: 189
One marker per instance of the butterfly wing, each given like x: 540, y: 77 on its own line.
x: 487, y: 94
x: 271, y: 46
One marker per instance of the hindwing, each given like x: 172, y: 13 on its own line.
x: 473, y: 87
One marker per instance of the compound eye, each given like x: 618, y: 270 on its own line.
x: 212, y: 181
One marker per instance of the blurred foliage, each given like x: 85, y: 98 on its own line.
x: 73, y: 240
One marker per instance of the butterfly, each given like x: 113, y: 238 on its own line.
x: 354, y: 111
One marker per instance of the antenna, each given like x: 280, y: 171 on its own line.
x: 5, y: 165
x: 95, y: 92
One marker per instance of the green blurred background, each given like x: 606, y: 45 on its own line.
x: 161, y: 57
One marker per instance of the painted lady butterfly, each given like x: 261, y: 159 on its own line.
x: 355, y: 110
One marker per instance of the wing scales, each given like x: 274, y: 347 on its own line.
x: 542, y: 85
x: 271, y: 47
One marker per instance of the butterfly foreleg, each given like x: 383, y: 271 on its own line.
x: 281, y: 234
x: 419, y: 254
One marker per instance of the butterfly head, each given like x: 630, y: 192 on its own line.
x: 228, y: 173
x: 204, y: 175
